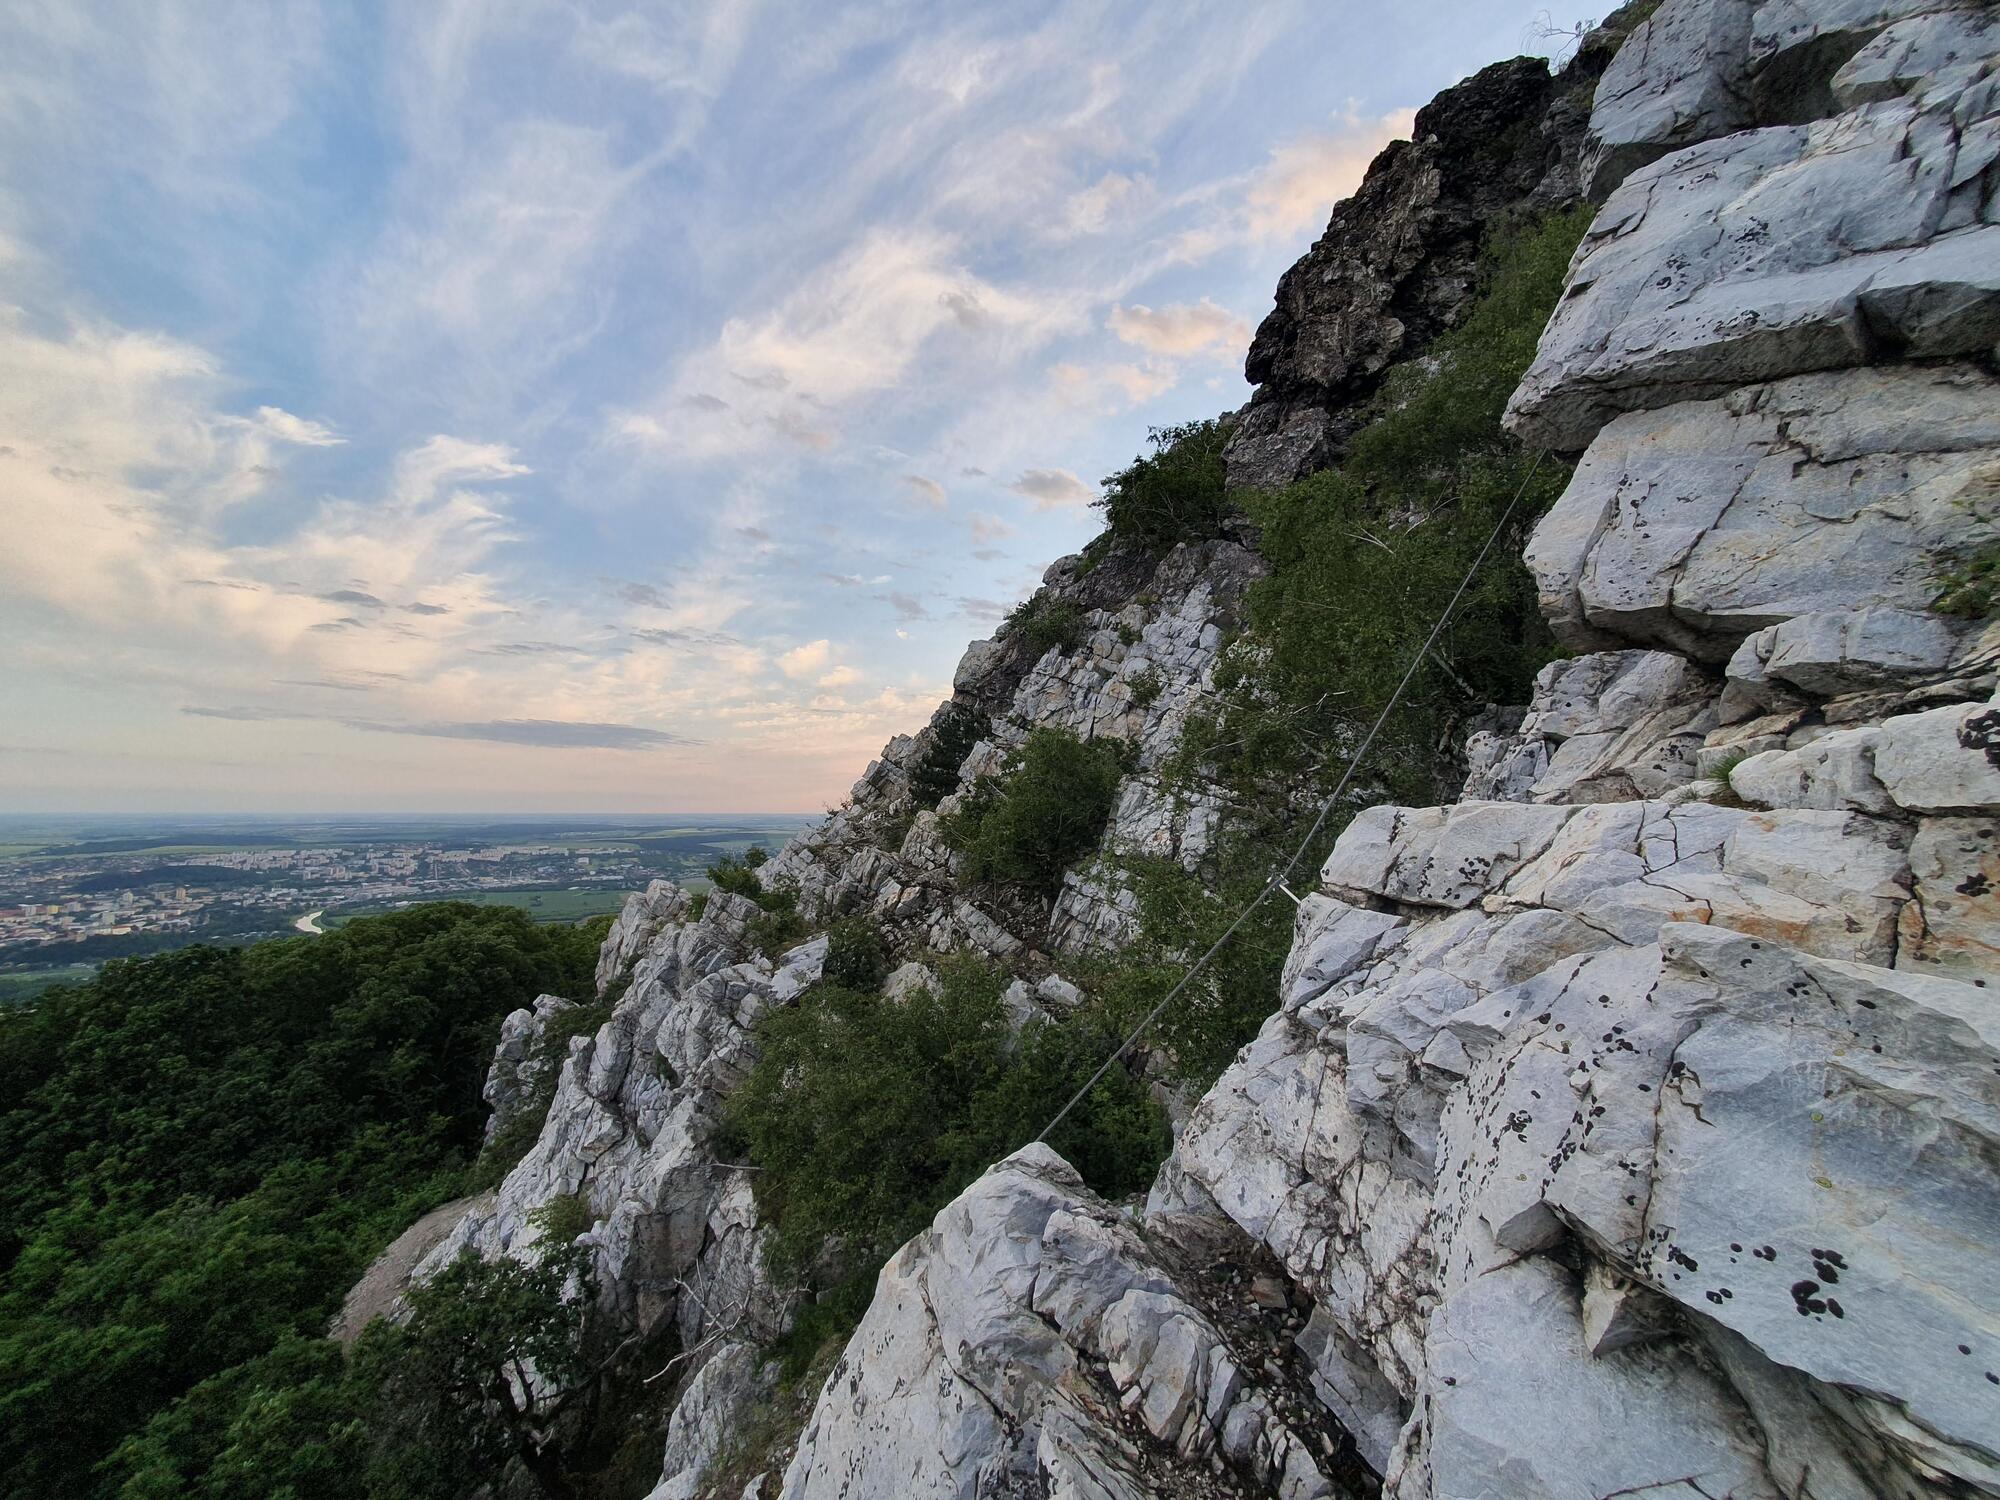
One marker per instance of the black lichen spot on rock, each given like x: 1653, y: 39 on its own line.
x: 1804, y: 1300
x: 1982, y: 732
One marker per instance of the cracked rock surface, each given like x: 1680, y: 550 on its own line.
x: 1867, y: 236
x: 1034, y: 1342
x: 1692, y: 526
x: 629, y: 1128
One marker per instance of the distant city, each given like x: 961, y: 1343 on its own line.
x: 75, y: 894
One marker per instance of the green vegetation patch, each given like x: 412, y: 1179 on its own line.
x: 1969, y: 585
x: 778, y: 924
x: 24, y: 984
x: 542, y: 904
x: 1026, y: 826
x: 867, y: 1115
x: 1045, y: 623
x: 953, y: 734
x: 1173, y: 494
x: 200, y: 1152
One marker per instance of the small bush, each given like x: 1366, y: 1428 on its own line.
x: 1146, y: 686
x: 1046, y: 623
x: 953, y: 734
x: 867, y: 1116
x: 1040, y: 817
x: 889, y: 832
x: 1181, y: 915
x: 856, y: 958
x: 778, y: 926
x: 736, y: 876
x: 1970, y: 585
x: 562, y: 1219
x: 1173, y: 494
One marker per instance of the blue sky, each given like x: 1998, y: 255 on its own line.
x: 550, y: 405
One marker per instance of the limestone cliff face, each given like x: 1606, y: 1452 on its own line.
x: 1629, y: 1127
x: 630, y: 1126
x: 1150, y: 633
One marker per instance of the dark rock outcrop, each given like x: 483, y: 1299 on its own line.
x: 1397, y: 264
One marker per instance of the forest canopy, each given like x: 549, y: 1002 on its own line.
x: 201, y: 1151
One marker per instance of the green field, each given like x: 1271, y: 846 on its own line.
x: 543, y: 906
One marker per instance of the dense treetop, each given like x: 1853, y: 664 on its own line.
x: 201, y: 1150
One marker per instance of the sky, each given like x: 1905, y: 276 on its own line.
x: 563, y: 406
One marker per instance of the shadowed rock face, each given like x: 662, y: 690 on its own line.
x: 1396, y: 265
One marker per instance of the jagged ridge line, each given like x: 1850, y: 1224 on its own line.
x: 1325, y: 810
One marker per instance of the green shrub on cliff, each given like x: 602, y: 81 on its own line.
x: 1173, y: 494
x: 856, y: 957
x: 1027, y: 826
x: 1045, y: 623
x: 1366, y: 556
x: 953, y: 734
x: 1970, y: 584
x: 867, y: 1115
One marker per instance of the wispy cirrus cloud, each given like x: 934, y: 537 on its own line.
x: 550, y: 734
x: 853, y: 329
x: 287, y: 428
x: 341, y: 363
x: 926, y: 492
